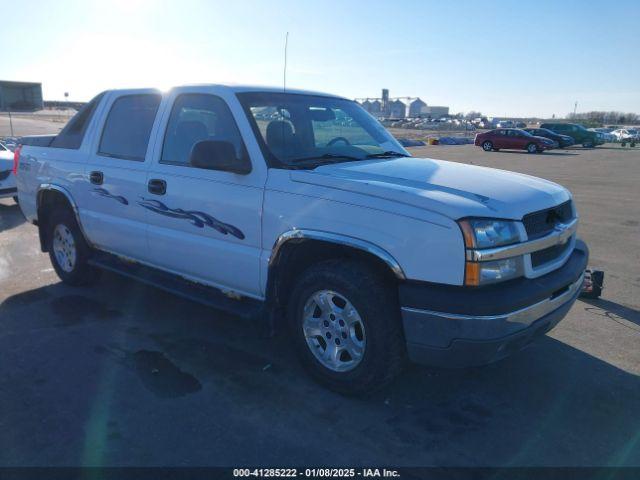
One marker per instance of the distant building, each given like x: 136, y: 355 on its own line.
x: 400, y: 107
x: 20, y: 96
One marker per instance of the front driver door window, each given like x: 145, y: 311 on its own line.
x: 206, y: 225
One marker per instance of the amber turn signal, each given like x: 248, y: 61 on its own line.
x: 472, y: 274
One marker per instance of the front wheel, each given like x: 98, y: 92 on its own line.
x: 68, y: 250
x: 345, y: 323
x: 487, y: 146
x: 532, y: 148
x: 587, y: 144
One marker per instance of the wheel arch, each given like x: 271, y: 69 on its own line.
x: 296, y: 250
x: 47, y: 198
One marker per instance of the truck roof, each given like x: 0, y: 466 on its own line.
x: 236, y: 88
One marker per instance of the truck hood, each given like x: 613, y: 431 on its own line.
x: 455, y: 190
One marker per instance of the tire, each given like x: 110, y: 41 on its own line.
x: 587, y: 144
x: 66, y: 242
x: 373, y: 333
x: 487, y: 146
x: 532, y: 148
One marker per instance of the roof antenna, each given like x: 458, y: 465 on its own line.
x: 284, y: 74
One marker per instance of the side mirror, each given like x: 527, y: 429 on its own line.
x: 217, y: 155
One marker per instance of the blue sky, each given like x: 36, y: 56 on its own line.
x: 504, y: 58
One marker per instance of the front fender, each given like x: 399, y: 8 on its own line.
x: 338, y: 239
x: 414, y: 248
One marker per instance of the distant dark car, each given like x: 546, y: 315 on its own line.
x: 512, y: 138
x: 579, y: 134
x: 563, y: 140
x: 520, y: 124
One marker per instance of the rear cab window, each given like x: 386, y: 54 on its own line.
x: 127, y: 129
x: 72, y: 135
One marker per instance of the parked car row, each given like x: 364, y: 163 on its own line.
x: 510, y: 124
x: 587, y: 138
x: 430, y: 124
x: 10, y: 142
x: 536, y: 140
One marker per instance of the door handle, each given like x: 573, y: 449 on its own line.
x: 157, y: 186
x: 96, y: 178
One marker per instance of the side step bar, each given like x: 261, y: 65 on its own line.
x: 247, y: 308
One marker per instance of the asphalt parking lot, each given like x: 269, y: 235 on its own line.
x: 123, y: 374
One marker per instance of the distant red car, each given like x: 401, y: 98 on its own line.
x: 512, y: 138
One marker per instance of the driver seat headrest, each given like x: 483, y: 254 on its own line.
x: 280, y: 136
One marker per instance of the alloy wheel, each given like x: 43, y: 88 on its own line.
x: 334, y: 331
x: 64, y: 248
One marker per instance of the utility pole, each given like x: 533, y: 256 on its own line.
x: 575, y: 107
x: 10, y: 123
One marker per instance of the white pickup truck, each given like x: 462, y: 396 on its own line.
x: 299, y: 208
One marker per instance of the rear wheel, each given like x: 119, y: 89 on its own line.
x: 532, y: 148
x: 487, y: 146
x: 345, y: 323
x: 68, y: 250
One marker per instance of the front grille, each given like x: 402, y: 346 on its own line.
x: 548, y: 254
x: 4, y: 175
x: 540, y: 223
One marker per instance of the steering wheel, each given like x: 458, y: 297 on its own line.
x: 331, y: 142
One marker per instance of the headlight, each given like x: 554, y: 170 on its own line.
x: 488, y: 233
x: 480, y: 233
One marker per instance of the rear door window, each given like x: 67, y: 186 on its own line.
x: 127, y: 129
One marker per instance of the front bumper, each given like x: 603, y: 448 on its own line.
x: 460, y: 326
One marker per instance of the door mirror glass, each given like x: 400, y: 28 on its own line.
x: 217, y: 155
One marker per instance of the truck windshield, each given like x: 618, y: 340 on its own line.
x: 309, y: 130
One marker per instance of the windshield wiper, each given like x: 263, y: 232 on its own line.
x: 326, y: 156
x: 387, y: 154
